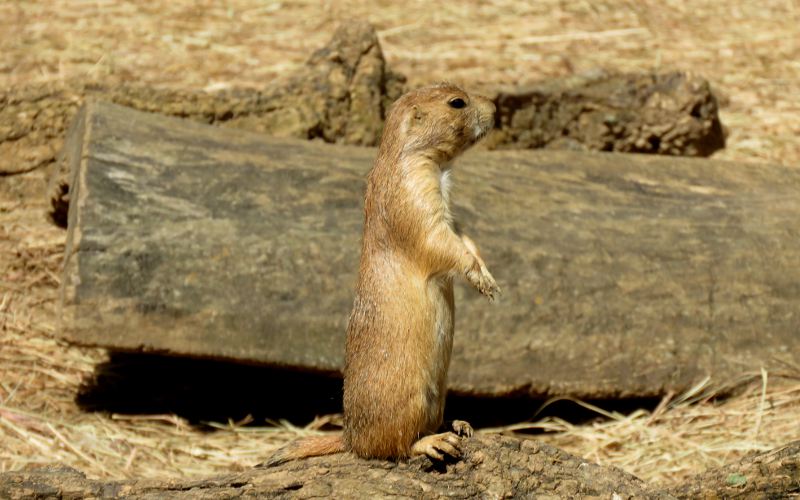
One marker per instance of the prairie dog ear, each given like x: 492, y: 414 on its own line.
x: 414, y: 118
x: 418, y: 113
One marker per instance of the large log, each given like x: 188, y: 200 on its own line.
x: 493, y: 467
x: 663, y: 113
x: 624, y: 275
x: 342, y: 93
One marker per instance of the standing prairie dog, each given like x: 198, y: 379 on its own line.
x: 400, y: 333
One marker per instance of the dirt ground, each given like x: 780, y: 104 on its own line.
x: 749, y: 51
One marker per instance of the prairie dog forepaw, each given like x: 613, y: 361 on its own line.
x: 483, y: 280
x: 462, y: 428
x: 437, y: 446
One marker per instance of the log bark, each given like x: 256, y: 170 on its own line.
x: 492, y: 467
x: 772, y: 474
x: 624, y: 275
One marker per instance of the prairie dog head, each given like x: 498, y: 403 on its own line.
x: 439, y: 121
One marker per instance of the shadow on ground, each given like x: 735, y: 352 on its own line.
x: 201, y: 390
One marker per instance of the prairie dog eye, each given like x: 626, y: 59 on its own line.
x: 457, y: 103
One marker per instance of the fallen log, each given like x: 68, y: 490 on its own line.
x: 672, y: 113
x: 669, y: 113
x: 341, y: 96
x: 624, y: 275
x: 493, y: 466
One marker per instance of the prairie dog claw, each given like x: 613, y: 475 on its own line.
x: 462, y: 428
x: 436, y: 446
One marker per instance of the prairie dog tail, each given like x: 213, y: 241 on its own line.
x: 312, y: 446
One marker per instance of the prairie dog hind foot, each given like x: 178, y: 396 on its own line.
x: 436, y: 446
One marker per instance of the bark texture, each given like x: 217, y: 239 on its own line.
x: 493, y: 467
x: 772, y: 474
x: 624, y: 275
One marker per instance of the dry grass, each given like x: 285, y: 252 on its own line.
x: 684, y: 433
x: 750, y: 51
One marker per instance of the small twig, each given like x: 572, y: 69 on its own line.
x: 662, y: 406
x: 131, y: 457
x: 761, y: 403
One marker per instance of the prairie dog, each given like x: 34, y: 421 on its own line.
x: 400, y: 332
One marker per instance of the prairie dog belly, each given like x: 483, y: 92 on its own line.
x: 440, y: 296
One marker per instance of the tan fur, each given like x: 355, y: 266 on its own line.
x: 312, y: 446
x: 400, y: 333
